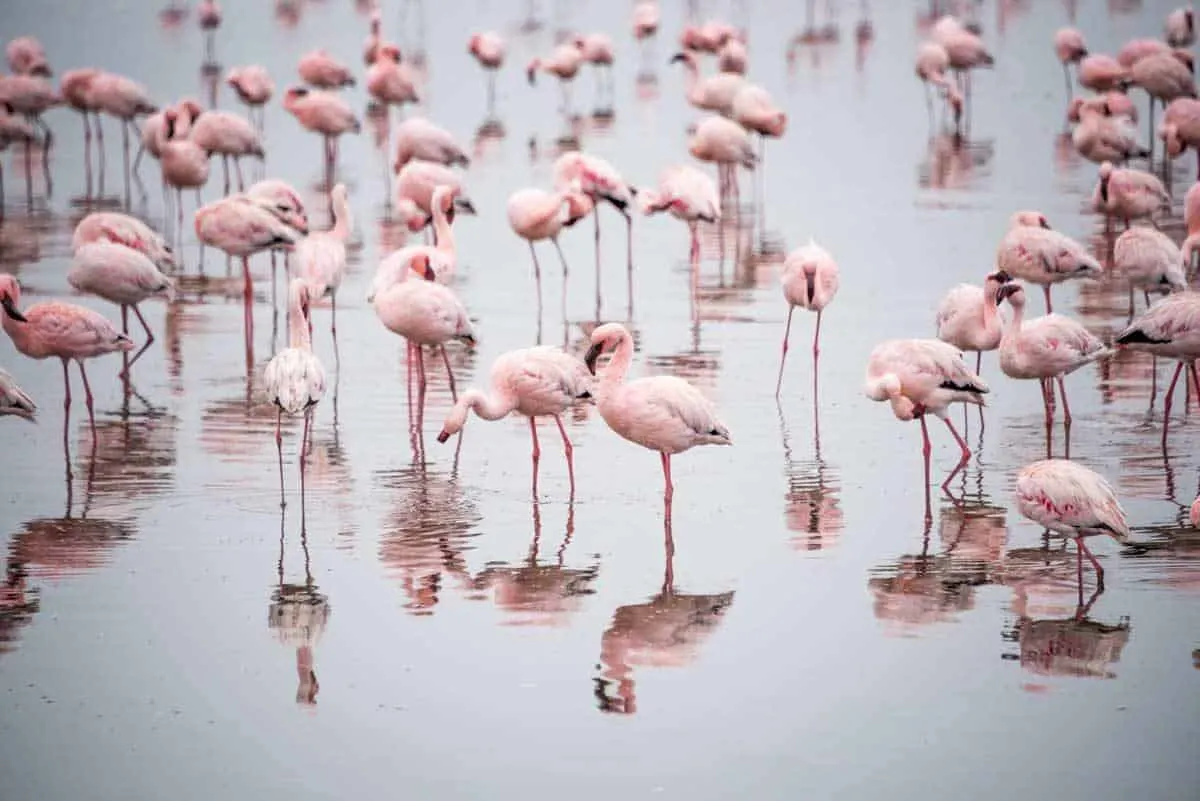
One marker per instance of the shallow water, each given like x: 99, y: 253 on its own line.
x: 424, y: 627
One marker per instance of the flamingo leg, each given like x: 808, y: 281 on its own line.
x: 1167, y: 402
x: 449, y: 373
x: 783, y: 358
x: 1195, y: 380
x: 91, y: 407
x: 966, y: 453
x: 1046, y: 292
x: 629, y: 262
x: 668, y: 486
x: 1095, y: 562
x: 537, y: 451
x: 569, y: 450
x: 817, y: 341
x: 596, y: 221
x: 537, y: 275
x: 67, y: 386
x: 279, y: 448
x: 563, y: 260
x: 926, y: 451
x: 1062, y: 390
x: 420, y: 386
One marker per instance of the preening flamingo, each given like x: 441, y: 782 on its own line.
x: 319, y: 69
x: 62, y: 330
x: 418, y: 138
x: 1150, y: 260
x: 1171, y: 329
x: 1128, y: 194
x: 1046, y: 348
x: 320, y: 257
x: 968, y: 317
x: 294, y: 379
x: 13, y: 400
x: 662, y: 413
x: 1074, y: 501
x: 714, y: 93
x: 534, y: 382
x: 810, y: 281
x: 732, y: 57
x: 563, y: 64
x: 253, y: 86
x: 415, y: 185
x: 1033, y: 252
x: 1070, y: 47
x: 390, y: 81
x: 184, y: 163
x: 123, y: 276
x: 1101, y: 72
x: 920, y: 376
x: 123, y: 229
x: 1099, y: 136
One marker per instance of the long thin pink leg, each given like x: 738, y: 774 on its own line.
x: 537, y: 451
x: 1079, y: 568
x: 669, y: 486
x: 1167, y: 402
x: 420, y: 387
x: 1195, y: 380
x: 1062, y: 390
x: 817, y: 344
x: 966, y: 453
x: 449, y: 373
x: 304, y: 455
x: 87, y: 389
x: 67, y: 386
x: 1095, y: 563
x: 569, y: 450
x: 537, y: 276
x: 787, y: 332
x: 926, y: 451
x: 1046, y: 292
x: 279, y: 448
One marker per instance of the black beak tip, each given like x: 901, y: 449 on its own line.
x: 443, y: 436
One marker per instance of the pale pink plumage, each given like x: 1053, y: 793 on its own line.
x: 1135, y: 50
x: 1099, y: 137
x: 26, y: 56
x: 416, y: 182
x: 1150, y: 260
x: 688, y: 195
x: 418, y: 138
x: 1180, y: 28
x: 318, y: 68
x: 226, y: 134
x: 712, y: 93
x: 1128, y: 194
x: 1170, y: 328
x: 320, y: 258
x: 1101, y: 72
x: 809, y: 281
x: 252, y: 84
x: 390, y: 81
x: 1032, y: 251
x: 732, y: 57
x: 646, y: 17
x: 968, y: 317
x: 113, y: 226
x: 1163, y: 76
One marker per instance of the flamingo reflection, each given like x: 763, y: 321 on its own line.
x: 298, y: 615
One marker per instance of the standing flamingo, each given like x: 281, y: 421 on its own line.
x: 1046, y: 348
x: 1164, y: 77
x: 1071, y: 500
x: 689, y: 195
x: 931, y: 66
x: 810, y: 281
x: 1034, y: 252
x: 321, y: 256
x: 1180, y: 29
x: 254, y: 87
x: 242, y: 226
x: 597, y: 49
x: 920, y: 376
x: 1150, y: 260
x: 324, y: 113
x: 122, y: 276
x: 536, y: 215
x: 1101, y: 72
x: 599, y: 180
x: 488, y: 50
x: 1070, y: 47
x: 563, y: 64
x: 662, y: 412
x: 124, y: 99
x: 62, y: 330
x: 1181, y: 128
x: 294, y: 378
x: 227, y: 134
x: 418, y: 138
x: 208, y: 17
x: 714, y: 93
x: 113, y: 226
x: 390, y: 82
x: 318, y: 68
x: 26, y: 56
x: 1169, y: 328
x: 732, y: 56
x: 1128, y: 194
x: 754, y: 110
x: 13, y: 399
x: 1101, y: 136
x: 534, y: 382
x: 415, y: 186
x: 726, y: 144
x: 76, y: 88
x: 184, y: 163
x: 968, y: 318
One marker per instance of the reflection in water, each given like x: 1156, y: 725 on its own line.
x: 953, y: 162
x: 298, y: 615
x: 133, y: 461
x: 535, y: 592
x: 427, y: 534
x: 812, y: 506
x: 665, y: 631
x: 18, y: 604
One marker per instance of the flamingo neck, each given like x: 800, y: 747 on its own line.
x: 614, y: 374
x: 298, y: 335
x: 488, y: 407
x: 341, y: 219
x: 443, y: 232
x: 1014, y: 326
x: 990, y: 312
x: 692, y: 80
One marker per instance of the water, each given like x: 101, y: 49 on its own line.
x: 428, y: 629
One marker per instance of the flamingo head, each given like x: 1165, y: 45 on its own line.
x: 994, y: 283
x: 683, y: 57
x: 457, y: 417
x: 422, y: 266
x: 10, y: 296
x: 473, y: 44
x: 294, y: 93
x: 1029, y: 219
x: 391, y: 52
x: 1013, y: 292
x: 605, y: 338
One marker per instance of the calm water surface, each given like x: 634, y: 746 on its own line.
x: 423, y: 628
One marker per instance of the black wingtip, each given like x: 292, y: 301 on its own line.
x: 1138, y: 337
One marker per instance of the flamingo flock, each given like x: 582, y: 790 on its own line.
x: 121, y: 259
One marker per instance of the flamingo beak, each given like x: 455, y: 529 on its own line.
x: 442, y: 437
x: 810, y: 282
x: 1006, y: 291
x: 464, y: 205
x: 10, y: 309
x: 592, y: 355
x: 678, y: 57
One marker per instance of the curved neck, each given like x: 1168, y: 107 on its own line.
x: 1014, y: 325
x: 488, y: 407
x: 443, y: 232
x: 619, y: 365
x: 298, y: 335
x: 341, y: 219
x: 693, y: 76
x: 990, y: 312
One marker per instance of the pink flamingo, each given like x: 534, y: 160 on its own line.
x: 418, y: 138
x: 968, y: 317
x: 208, y: 17
x: 726, y: 144
x: 599, y: 180
x: 1046, y: 348
x: 324, y: 113
x: 1034, y: 252
x: 920, y: 376
x: 389, y: 81
x: 31, y: 96
x: 1071, y: 500
x: 646, y: 18
x: 415, y: 185
x: 707, y: 38
x: 12, y: 129
x: 662, y: 412
x: 754, y: 110
x: 1070, y: 47
x: 1171, y: 329
x: 732, y: 57
x: 714, y: 93
x: 424, y: 313
x: 932, y: 63
x: 1128, y: 194
x: 63, y: 330
x: 321, y: 256
x: 1101, y: 72
x: 1180, y: 29
x: 536, y: 215
x: 253, y: 86
x: 13, y: 400
x: 597, y: 49
x: 563, y: 63
x: 295, y: 379
x: 123, y: 276
x: 534, y: 382
x: 153, y: 128
x: 689, y: 195
x: 1191, y: 217
x: 1150, y: 260
x: 242, y: 226
x: 1100, y: 137
x: 1135, y: 50
x: 184, y: 163
x: 227, y: 134
x: 124, y: 99
x: 123, y: 229
x: 1164, y: 77
x: 282, y: 200
x: 76, y: 88
x: 488, y: 50
x: 26, y: 56
x: 810, y: 281
x: 1181, y: 128
x: 1194, y: 513
x: 318, y: 68
x: 965, y: 49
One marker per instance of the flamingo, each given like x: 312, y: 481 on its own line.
x: 1074, y: 501
x: 597, y: 49
x: 1194, y: 513
x: 424, y: 313
x: 122, y: 98
x: 321, y: 256
x: 26, y: 56
x: 318, y: 68
x: 1164, y: 77
x: 1181, y: 128
x: 968, y: 317
x: 1101, y: 137
x: 389, y: 81
x: 1180, y: 29
x: 1169, y: 328
x: 754, y: 110
x: 920, y: 376
x: 662, y: 413
x: 488, y: 49
x: 76, y: 88
x: 253, y: 86
x: 563, y: 64
x: 123, y: 276
x: 1128, y: 194
x: 727, y: 144
x: 113, y: 226
x: 1101, y: 72
x: 13, y: 400
x: 536, y: 215
x: 415, y: 184
x: 228, y: 135
x: 12, y: 129
x: 1135, y: 50
x: 646, y: 18
x: 282, y: 200
x: 732, y: 57
x: 418, y: 138
x: 294, y: 378
x: 31, y: 96
x: 1150, y: 260
x: 599, y: 180
x: 62, y: 330
x: 153, y: 128
x: 932, y: 63
x: 1034, y: 252
x: 714, y: 93
x: 242, y: 226
x: 534, y: 382
x: 1046, y: 348
x: 1191, y: 217
x: 689, y: 195
x: 1070, y: 47
x: 184, y: 163
x: 324, y: 113
x: 810, y: 281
